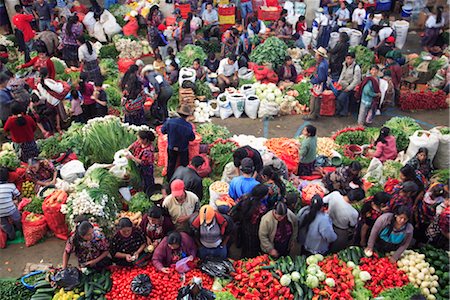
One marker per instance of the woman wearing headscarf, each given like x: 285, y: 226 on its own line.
x: 69, y: 34
x: 133, y: 97
x: 337, y: 55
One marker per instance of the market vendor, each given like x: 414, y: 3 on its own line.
x: 287, y: 73
x: 308, y: 151
x: 142, y: 155
x: 391, y: 232
x: 42, y: 172
x: 89, y: 245
x: 228, y: 73
x: 45, y: 115
x: 278, y: 231
x: 156, y: 226
x: 256, y: 27
x: 244, y: 184
x: 420, y: 162
x: 212, y: 232
x: 10, y: 220
x: 344, y: 178
x: 42, y: 60
x: 405, y: 196
x: 128, y: 244
x: 175, y: 246
x: 246, y: 151
x: 181, y: 204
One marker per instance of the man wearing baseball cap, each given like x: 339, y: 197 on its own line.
x: 181, y: 204
x: 212, y: 232
x: 243, y: 184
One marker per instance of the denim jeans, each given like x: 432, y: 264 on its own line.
x: 219, y: 252
x: 342, y: 103
x: 8, y: 228
x: 246, y: 8
x: 44, y: 25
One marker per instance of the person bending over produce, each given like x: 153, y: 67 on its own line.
x: 128, y: 244
x: 308, y: 151
x: 156, y: 227
x: 277, y: 188
x: 278, y: 231
x: 175, y: 246
x: 189, y: 175
x: 315, y: 229
x: 212, y: 232
x: 45, y: 115
x: 240, y: 153
x: 42, y: 172
x: 42, y: 60
x: 371, y: 210
x: 181, y: 204
x: 89, y: 245
x: 244, y: 184
x: 142, y: 156
x: 403, y: 196
x: 9, y: 214
x: 391, y: 232
x: 386, y: 146
x: 341, y: 179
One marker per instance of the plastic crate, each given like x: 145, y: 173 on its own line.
x: 184, y: 9
x: 269, y: 15
x: 227, y: 11
x: 227, y: 19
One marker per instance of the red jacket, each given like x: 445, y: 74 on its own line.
x: 21, y: 134
x: 396, y: 74
x: 50, y: 66
x: 22, y: 22
x: 386, y: 151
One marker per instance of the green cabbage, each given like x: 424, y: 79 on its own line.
x: 312, y: 281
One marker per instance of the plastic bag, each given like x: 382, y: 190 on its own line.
x: 237, y: 102
x: 182, y: 266
x: 72, y: 170
x: 225, y: 108
x: 141, y: 285
x: 251, y: 107
x: 203, y: 294
x: 442, y: 157
x: 217, y: 268
x: 33, y: 229
x: 56, y: 220
x: 375, y: 169
x: 89, y: 22
x: 423, y: 138
x: 3, y: 239
x: 110, y: 25
x: 68, y: 278
x: 99, y: 33
x: 131, y: 28
x: 268, y: 109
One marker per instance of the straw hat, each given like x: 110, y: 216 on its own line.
x: 321, y: 51
x: 146, y: 69
x: 184, y: 110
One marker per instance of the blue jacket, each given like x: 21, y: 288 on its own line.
x: 321, y: 75
x: 179, y: 133
x: 240, y: 186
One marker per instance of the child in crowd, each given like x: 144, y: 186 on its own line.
x: 9, y: 214
x: 75, y: 107
x: 308, y: 151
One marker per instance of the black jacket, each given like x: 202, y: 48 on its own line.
x: 192, y: 181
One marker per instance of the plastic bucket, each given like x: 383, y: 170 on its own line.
x: 355, y: 38
x: 401, y: 28
x: 334, y: 37
x: 307, y: 37
x: 406, y: 11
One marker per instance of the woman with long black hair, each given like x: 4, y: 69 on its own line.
x: 248, y: 214
x: 433, y: 26
x: 69, y: 34
x: 315, y: 229
x: 391, y: 232
x: 89, y: 245
x: 386, y: 147
x: 277, y: 188
x: 22, y: 128
x: 88, y: 60
x: 86, y: 90
x: 133, y: 97
x: 128, y: 244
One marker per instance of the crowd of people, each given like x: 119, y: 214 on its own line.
x: 261, y: 216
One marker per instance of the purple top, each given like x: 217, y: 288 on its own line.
x: 71, y: 39
x: 164, y: 256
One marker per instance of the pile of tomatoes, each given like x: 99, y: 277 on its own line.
x: 165, y: 286
x: 337, y: 269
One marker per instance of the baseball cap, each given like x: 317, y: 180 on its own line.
x: 177, y: 188
x: 390, y: 39
x: 206, y: 214
x: 247, y: 165
x: 409, y: 186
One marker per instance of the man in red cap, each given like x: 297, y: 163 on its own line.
x: 181, y: 204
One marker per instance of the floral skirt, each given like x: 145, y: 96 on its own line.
x: 28, y: 150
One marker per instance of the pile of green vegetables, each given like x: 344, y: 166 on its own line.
x: 13, y: 289
x: 357, y: 137
x: 51, y: 147
x: 202, y: 89
x: 402, y: 128
x: 441, y: 176
x: 364, y: 57
x: 304, y: 92
x: 9, y: 159
x: 211, y: 132
x: 108, y: 51
x: 221, y: 153
x: 206, y: 183
x: 307, y: 61
x: 140, y: 203
x: 391, y: 169
x: 110, y: 71
x: 444, y: 130
x: 35, y: 206
x: 440, y: 261
x: 189, y: 54
x: 174, y: 101
x: 272, y: 51
x: 404, y: 292
x: 114, y: 95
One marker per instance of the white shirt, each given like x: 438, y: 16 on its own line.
x: 342, y: 15
x: 340, y: 211
x: 226, y: 69
x: 431, y: 22
x: 384, y: 33
x: 358, y: 16
x: 322, y: 20
x: 83, y: 53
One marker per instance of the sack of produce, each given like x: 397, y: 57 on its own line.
x: 225, y: 106
x: 423, y: 138
x: 186, y: 74
x: 237, y: 101
x: 56, y: 220
x: 248, y: 90
x: 375, y: 170
x: 214, y: 108
x: 131, y: 28
x: 68, y: 278
x: 245, y: 73
x: 34, y: 228
x: 251, y: 106
x: 72, y: 171
x: 268, y: 109
x: 442, y: 158
x: 216, y: 190
x: 141, y: 285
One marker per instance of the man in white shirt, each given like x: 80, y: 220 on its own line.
x: 342, y: 15
x: 343, y: 215
x: 256, y: 27
x: 228, y: 73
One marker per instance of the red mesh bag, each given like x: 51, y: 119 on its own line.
x: 33, y: 229
x: 3, y: 239
x: 56, y: 220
